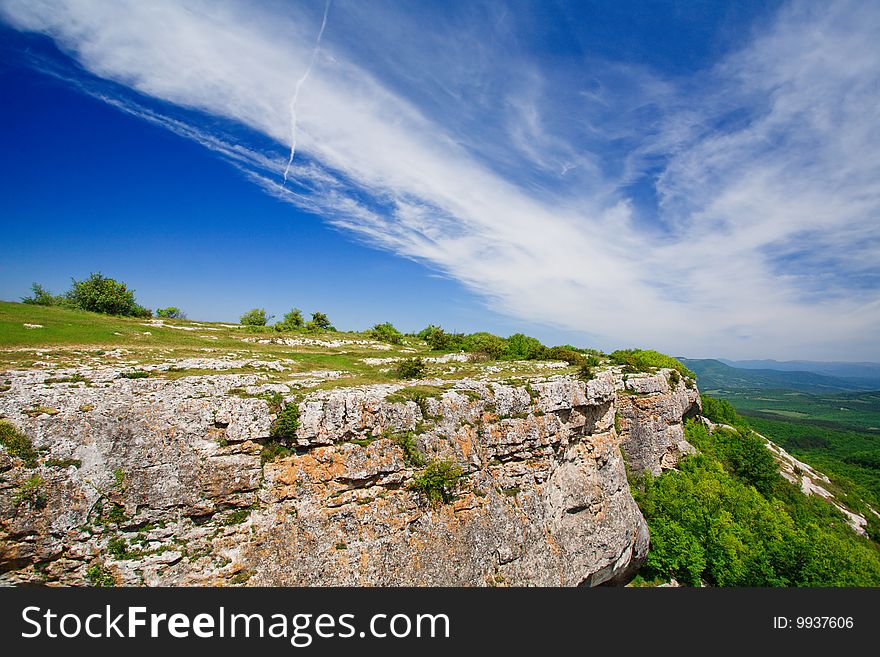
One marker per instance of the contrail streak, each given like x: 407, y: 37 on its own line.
x: 299, y: 84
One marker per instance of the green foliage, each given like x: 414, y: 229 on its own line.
x: 742, y: 453
x: 586, y: 373
x: 286, y: 422
x: 645, y: 360
x: 100, y: 294
x: 440, y: 340
x: 386, y: 333
x: 721, y: 411
x: 293, y: 321
x: 485, y: 343
x: 171, y: 312
x: 437, y: 481
x: 17, y: 443
x: 237, y: 516
x: 64, y: 463
x: 272, y: 451
x: 568, y: 354
x: 412, y: 456
x: 710, y: 521
x: 119, y: 479
x: 98, y: 575
x: 42, y: 297
x: 254, y: 317
x: 137, y: 374
x: 523, y: 347
x: 118, y: 548
x: 30, y: 492
x: 411, y: 368
x: 426, y: 332
x: 319, y: 322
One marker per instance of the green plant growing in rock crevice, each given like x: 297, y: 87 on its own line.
x: 286, y: 421
x: 17, y: 443
x: 100, y: 576
x: 30, y: 492
x: 437, y: 482
x: 283, y: 429
x: 406, y: 440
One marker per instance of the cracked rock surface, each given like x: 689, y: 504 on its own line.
x: 161, y: 482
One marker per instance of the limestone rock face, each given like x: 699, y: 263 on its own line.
x: 161, y: 482
x: 652, y: 409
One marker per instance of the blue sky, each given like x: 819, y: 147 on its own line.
x: 697, y: 177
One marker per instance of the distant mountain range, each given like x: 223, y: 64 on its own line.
x: 803, y: 376
x: 858, y: 373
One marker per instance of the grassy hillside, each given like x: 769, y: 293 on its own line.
x: 40, y: 336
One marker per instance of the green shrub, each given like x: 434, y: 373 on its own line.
x: 254, y: 317
x: 98, y: 575
x: 742, y: 453
x: 100, y: 294
x: 586, y: 373
x: 721, y: 411
x: 42, y: 297
x: 30, y: 492
x: 386, y: 332
x: 407, y: 442
x: 292, y: 321
x: 17, y: 443
x: 319, y: 322
x: 411, y: 368
x: 485, y: 343
x: 286, y: 422
x: 523, y: 347
x: 566, y: 353
x: 440, y: 340
x: 171, y: 312
x: 645, y: 360
x: 272, y: 451
x: 427, y: 331
x: 437, y: 481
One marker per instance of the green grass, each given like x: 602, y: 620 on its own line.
x: 73, y: 338
x: 17, y: 443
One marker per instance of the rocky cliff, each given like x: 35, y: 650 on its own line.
x: 148, y: 481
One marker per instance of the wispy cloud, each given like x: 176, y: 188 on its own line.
x: 734, y: 212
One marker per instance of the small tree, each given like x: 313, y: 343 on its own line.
x: 437, y: 482
x: 319, y: 322
x: 254, y: 317
x: 293, y: 319
x: 523, y: 347
x: 42, y: 297
x: 411, y: 368
x: 386, y: 333
x: 171, y: 312
x: 105, y: 295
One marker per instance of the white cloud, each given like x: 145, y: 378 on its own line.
x: 776, y: 153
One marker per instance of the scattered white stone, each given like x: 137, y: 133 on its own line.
x: 32, y: 326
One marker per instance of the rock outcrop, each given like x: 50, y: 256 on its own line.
x: 651, y: 417
x: 165, y: 482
